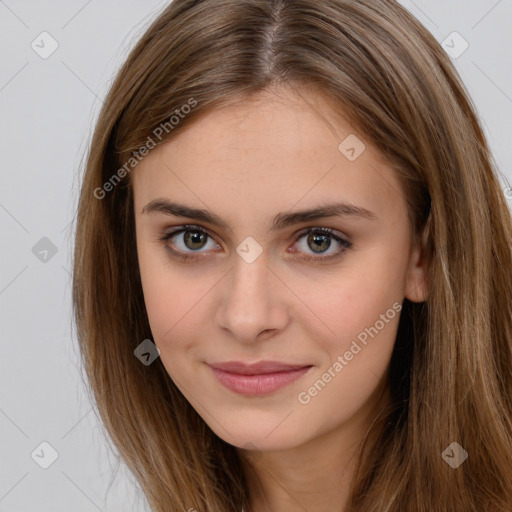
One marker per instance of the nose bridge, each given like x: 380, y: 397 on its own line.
x: 251, y: 301
x: 249, y: 276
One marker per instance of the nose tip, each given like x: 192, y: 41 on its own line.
x: 251, y: 307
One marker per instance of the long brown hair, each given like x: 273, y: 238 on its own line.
x: 451, y: 369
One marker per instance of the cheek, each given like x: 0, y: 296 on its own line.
x: 344, y: 306
x: 164, y: 296
x: 175, y: 298
x: 355, y: 327
x: 357, y: 346
x: 357, y: 333
x: 342, y: 389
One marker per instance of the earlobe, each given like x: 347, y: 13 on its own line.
x: 416, y: 289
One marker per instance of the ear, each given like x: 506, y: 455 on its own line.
x: 416, y: 287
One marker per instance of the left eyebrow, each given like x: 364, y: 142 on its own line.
x: 281, y: 220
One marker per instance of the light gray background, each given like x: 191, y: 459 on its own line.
x: 47, y: 109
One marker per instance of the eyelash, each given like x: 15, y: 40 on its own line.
x: 197, y: 229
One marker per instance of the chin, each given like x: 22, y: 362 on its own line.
x: 262, y: 436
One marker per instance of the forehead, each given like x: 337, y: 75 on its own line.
x: 277, y: 149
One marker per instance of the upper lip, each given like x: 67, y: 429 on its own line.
x: 256, y: 368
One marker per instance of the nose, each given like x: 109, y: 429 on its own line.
x: 252, y: 305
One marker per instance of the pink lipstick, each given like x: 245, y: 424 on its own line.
x: 259, y: 378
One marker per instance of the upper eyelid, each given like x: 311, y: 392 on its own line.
x: 185, y: 227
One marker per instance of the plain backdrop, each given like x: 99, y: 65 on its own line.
x: 48, y: 107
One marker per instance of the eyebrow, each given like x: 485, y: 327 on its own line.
x: 282, y: 220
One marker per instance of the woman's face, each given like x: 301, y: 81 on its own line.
x: 260, y: 283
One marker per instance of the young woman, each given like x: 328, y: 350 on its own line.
x: 292, y: 266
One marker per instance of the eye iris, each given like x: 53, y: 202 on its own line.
x: 314, y: 237
x: 196, y: 238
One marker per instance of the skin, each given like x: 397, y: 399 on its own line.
x: 247, y: 163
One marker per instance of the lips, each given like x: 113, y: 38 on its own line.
x: 260, y: 368
x: 257, y: 378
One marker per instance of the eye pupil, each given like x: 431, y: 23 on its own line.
x: 313, y: 237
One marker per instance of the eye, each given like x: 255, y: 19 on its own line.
x: 195, y: 238
x: 320, y: 239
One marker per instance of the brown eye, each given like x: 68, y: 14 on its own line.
x: 189, y: 239
x: 196, y: 239
x: 192, y: 239
x: 319, y: 240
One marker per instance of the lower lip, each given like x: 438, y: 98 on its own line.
x: 260, y: 384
